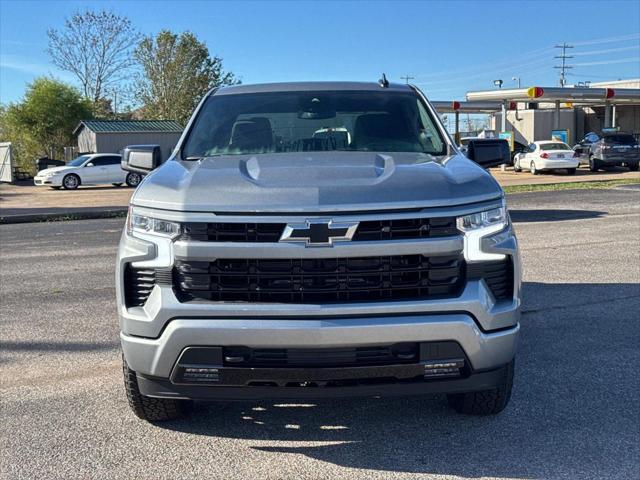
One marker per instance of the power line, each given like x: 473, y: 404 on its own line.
x: 564, y: 66
x: 610, y: 62
x: 599, y: 41
x: 606, y: 50
x: 406, y: 78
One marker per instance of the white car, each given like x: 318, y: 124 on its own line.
x: 92, y: 169
x: 547, y: 155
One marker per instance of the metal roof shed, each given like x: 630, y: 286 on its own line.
x: 111, y: 136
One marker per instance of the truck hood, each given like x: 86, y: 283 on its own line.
x: 315, y: 182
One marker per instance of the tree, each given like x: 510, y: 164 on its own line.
x: 97, y: 48
x: 44, y: 121
x: 177, y: 72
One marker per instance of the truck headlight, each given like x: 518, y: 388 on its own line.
x: 480, y: 220
x: 477, y: 226
x: 150, y: 225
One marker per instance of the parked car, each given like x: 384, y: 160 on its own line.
x: 264, y: 260
x: 91, y: 169
x: 547, y: 155
x: 583, y: 147
x: 518, y: 147
x: 614, y: 149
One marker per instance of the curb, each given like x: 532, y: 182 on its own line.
x: 63, y: 216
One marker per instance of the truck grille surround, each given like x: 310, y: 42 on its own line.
x: 321, y: 280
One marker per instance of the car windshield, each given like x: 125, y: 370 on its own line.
x: 238, y: 124
x: 554, y: 146
x: 622, y: 139
x: 76, y: 162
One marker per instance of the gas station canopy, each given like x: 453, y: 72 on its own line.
x: 470, y: 107
x: 576, y: 95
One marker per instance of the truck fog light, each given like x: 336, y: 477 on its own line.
x: 443, y: 368
x: 200, y: 374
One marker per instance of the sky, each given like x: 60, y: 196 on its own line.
x: 448, y: 47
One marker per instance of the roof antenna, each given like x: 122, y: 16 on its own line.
x: 383, y: 82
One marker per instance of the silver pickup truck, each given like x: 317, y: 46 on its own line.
x: 310, y: 240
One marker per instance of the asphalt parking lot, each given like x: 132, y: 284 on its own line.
x: 574, y: 413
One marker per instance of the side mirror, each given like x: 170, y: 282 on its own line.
x: 141, y: 158
x: 489, y: 152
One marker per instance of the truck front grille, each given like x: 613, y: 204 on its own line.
x: 398, y: 229
x: 334, y: 280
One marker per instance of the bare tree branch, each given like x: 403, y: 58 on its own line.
x: 96, y: 47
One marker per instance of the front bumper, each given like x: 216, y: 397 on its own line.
x: 478, y: 381
x: 157, y: 357
x: 48, y: 181
x: 155, y: 335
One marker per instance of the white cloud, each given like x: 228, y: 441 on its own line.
x: 21, y: 64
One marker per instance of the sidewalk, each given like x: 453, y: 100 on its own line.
x: 510, y: 178
x: 27, y: 203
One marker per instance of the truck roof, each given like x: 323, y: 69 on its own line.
x: 310, y: 86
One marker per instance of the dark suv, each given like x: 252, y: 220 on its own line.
x: 614, y: 149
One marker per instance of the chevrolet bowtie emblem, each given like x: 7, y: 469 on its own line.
x: 319, y: 233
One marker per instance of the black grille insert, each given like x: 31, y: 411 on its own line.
x: 233, y: 232
x: 398, y: 229
x: 332, y: 280
x: 498, y: 276
x: 398, y: 353
x: 402, y: 229
x: 138, y: 283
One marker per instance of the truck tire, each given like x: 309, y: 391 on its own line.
x: 486, y: 402
x: 633, y: 167
x: 148, y: 408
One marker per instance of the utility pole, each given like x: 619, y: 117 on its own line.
x: 406, y: 78
x: 564, y: 66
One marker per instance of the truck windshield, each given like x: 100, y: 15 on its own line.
x: 238, y: 124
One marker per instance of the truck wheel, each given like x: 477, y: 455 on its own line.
x: 486, y: 402
x: 133, y: 179
x: 71, y: 181
x: 148, y: 408
x: 594, y: 165
x: 633, y: 167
